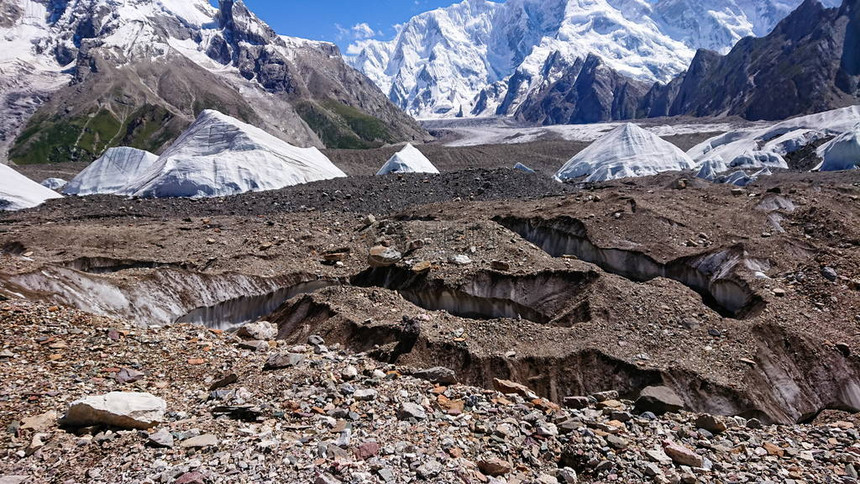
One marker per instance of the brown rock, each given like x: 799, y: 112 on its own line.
x: 509, y: 387
x: 682, y: 455
x: 711, y: 424
x: 367, y: 450
x: 500, y: 266
x: 421, y: 267
x: 576, y: 403
x: 381, y: 256
x: 773, y: 449
x: 494, y: 467
x: 659, y: 400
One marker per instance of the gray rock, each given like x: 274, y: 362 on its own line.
x: 659, y: 400
x: 261, y: 331
x: 127, y: 375
x: 411, y: 410
x: 254, y: 345
x: 279, y: 361
x: 460, y: 260
x: 439, y: 374
x: 116, y: 409
x: 162, y: 438
x: 381, y: 256
x: 429, y: 469
x: 199, y: 442
x: 568, y: 476
x: 604, y: 396
x: 326, y: 478
x: 13, y: 479
x: 365, y: 395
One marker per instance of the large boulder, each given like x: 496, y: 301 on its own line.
x: 260, y: 331
x: 116, y: 409
x: 659, y: 400
x: 381, y: 256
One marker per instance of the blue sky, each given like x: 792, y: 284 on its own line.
x: 340, y: 21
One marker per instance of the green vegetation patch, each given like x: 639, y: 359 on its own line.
x: 344, y: 127
x: 58, y: 139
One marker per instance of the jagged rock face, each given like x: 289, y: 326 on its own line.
x: 810, y: 63
x: 595, y: 94
x: 485, y: 58
x: 137, y: 73
x: 797, y: 69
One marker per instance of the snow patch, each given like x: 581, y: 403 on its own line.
x: 55, y: 184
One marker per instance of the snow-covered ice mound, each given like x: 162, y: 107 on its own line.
x: 768, y: 146
x: 111, y: 173
x: 18, y: 192
x: 220, y: 155
x: 55, y: 184
x: 626, y: 151
x: 841, y: 153
x: 408, y: 160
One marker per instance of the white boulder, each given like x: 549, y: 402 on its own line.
x: 117, y: 409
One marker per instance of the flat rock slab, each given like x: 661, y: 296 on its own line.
x: 659, y: 400
x: 199, y: 442
x: 13, y: 479
x: 277, y: 362
x: 117, y: 409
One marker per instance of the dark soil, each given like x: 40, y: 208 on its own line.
x: 356, y: 194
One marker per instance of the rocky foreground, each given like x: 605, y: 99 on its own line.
x: 203, y: 406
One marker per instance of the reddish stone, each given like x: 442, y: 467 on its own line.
x: 367, y: 450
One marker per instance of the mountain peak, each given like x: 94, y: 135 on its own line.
x: 488, y: 58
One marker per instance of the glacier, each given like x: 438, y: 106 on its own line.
x: 767, y: 146
x: 841, y: 153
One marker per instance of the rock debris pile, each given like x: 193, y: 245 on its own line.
x: 87, y: 399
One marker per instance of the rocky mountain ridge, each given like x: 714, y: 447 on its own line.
x: 808, y: 64
x: 86, y: 75
x: 480, y: 58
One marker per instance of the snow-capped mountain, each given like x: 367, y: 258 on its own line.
x: 482, y: 58
x: 79, y: 76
